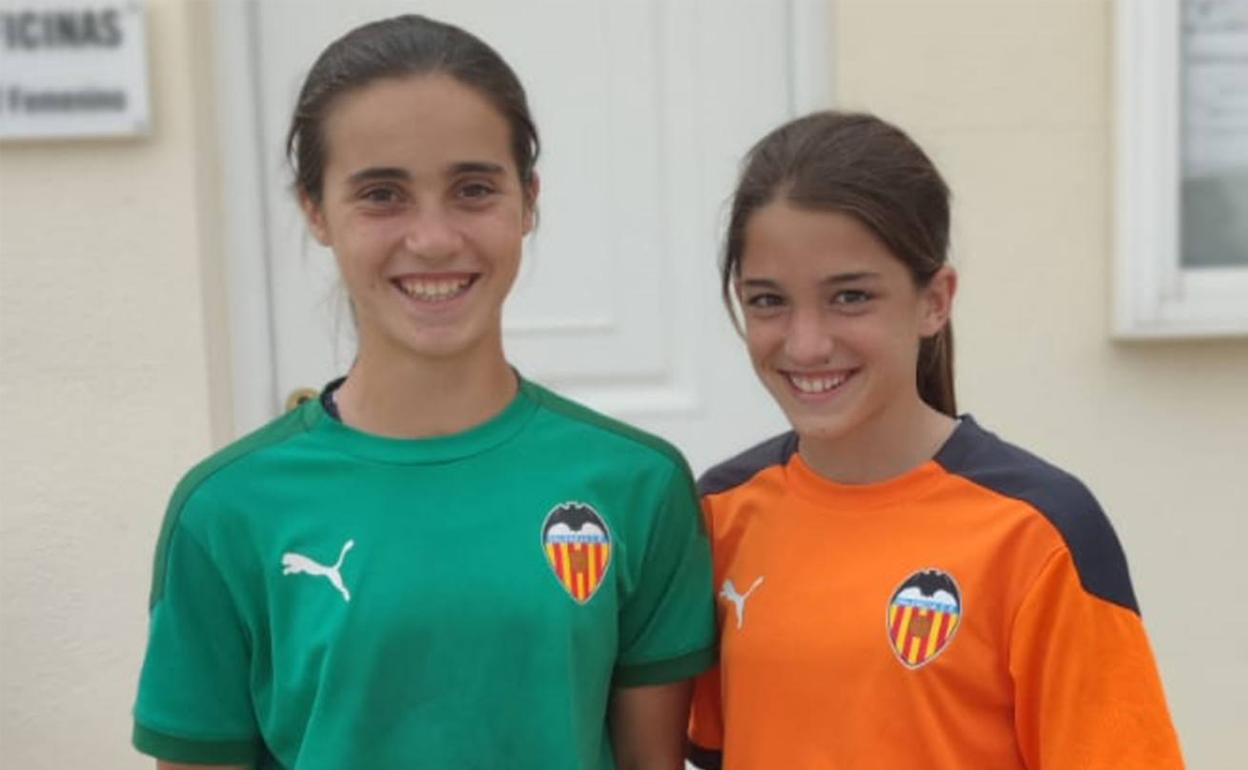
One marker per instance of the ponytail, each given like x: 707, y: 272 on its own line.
x: 935, y: 371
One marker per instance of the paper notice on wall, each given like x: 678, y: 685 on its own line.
x: 1215, y: 133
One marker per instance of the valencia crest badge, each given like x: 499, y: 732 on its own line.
x: 578, y: 546
x: 923, y: 616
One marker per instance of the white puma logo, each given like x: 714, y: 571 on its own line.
x: 295, y: 563
x: 729, y: 592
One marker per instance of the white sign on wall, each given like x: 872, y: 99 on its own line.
x: 73, y: 69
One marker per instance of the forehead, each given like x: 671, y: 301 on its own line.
x: 781, y: 238
x: 420, y: 122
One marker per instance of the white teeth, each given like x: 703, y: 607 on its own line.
x: 433, y: 291
x: 808, y: 384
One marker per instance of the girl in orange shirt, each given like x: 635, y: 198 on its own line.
x: 898, y: 587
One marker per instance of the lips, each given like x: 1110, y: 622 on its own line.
x: 436, y: 288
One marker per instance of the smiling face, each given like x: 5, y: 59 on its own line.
x: 425, y: 212
x: 833, y: 321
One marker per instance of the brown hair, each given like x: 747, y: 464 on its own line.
x: 862, y: 166
x: 404, y: 45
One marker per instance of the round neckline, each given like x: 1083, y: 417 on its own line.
x: 878, y: 494
x: 436, y: 449
x: 851, y: 497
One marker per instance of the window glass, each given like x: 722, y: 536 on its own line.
x: 1215, y: 133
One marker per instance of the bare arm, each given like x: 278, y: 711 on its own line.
x: 648, y: 725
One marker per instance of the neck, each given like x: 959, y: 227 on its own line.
x: 885, y: 446
x: 406, y: 397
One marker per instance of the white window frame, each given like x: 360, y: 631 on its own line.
x: 1155, y: 297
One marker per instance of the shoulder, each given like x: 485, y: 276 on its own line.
x: 193, y: 498
x: 586, y: 428
x: 742, y: 467
x: 987, y: 461
x: 209, y: 470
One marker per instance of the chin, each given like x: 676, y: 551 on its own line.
x: 830, y: 422
x: 446, y: 344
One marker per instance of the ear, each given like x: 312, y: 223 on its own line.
x: 315, y: 216
x: 938, y: 301
x: 530, y: 201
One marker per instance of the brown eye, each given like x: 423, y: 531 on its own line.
x: 764, y: 301
x: 475, y: 191
x: 851, y: 297
x: 380, y: 195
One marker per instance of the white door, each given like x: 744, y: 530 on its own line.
x: 644, y: 108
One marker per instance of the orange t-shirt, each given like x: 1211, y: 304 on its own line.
x: 972, y: 614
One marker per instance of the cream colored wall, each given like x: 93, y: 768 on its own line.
x: 1014, y: 100
x: 104, y: 396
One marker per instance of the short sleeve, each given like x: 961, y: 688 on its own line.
x: 667, y: 622
x: 1087, y: 691
x: 194, y: 703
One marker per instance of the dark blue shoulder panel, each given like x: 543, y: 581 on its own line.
x: 745, y: 466
x: 975, y: 454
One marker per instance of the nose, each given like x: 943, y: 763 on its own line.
x: 431, y: 234
x: 808, y: 341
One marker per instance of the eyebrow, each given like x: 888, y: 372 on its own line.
x: 476, y: 167
x: 394, y: 173
x: 377, y: 174
x: 832, y: 280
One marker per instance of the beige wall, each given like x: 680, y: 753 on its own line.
x: 104, y: 387
x: 1013, y: 98
x: 112, y: 365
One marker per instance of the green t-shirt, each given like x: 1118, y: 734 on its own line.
x: 326, y: 599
